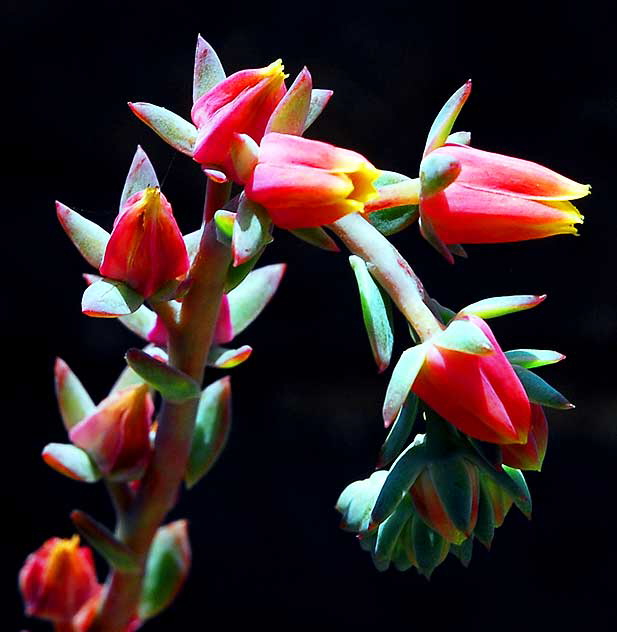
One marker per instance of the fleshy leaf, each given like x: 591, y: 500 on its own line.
x: 73, y: 400
x: 465, y: 337
x: 172, y: 384
x: 442, y: 125
x: 429, y: 548
x: 140, y: 322
x: 141, y: 176
x: 319, y: 100
x: 106, y: 298
x: 291, y: 113
x: 89, y: 238
x: 244, y: 153
x: 375, y: 313
x: 457, y: 485
x: 316, y: 236
x: 463, y: 552
x: 485, y: 525
x: 532, y: 358
x: 128, y: 377
x: 117, y: 554
x: 390, y: 221
x: 444, y: 314
x: 71, y: 461
x: 212, y: 426
x: 356, y: 502
x: 437, y: 172
x: 208, y: 70
x: 390, y: 530
x: 401, y: 381
x: 399, y: 432
x: 540, y: 391
x: 221, y: 358
x: 237, y: 274
x: 502, y: 305
x: 173, y: 129
x: 523, y: 499
x: 252, y: 231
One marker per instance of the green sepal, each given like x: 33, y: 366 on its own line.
x: 173, y: 129
x: 141, y: 176
x: 128, y: 377
x: 402, y: 379
x: 402, y: 475
x: 532, y: 358
x: 316, y: 236
x: 429, y: 548
x: 444, y: 314
x: 223, y: 358
x: 376, y: 313
x: 443, y: 123
x: 437, y: 172
x: 212, y: 426
x: 502, y: 305
x: 465, y: 337
x: 523, y: 498
x: 208, y: 70
x: 428, y: 232
x: 74, y: 402
x: 390, y: 530
x: 88, y: 237
x: 167, y: 567
x: 389, y: 221
x: 172, y: 384
x: 403, y: 555
x: 539, y: 391
x: 319, y: 100
x: 224, y: 222
x: 356, y: 503
x: 289, y: 116
x: 399, y: 432
x: 116, y: 553
x: 247, y: 300
x: 252, y: 231
x: 237, y: 274
x: 106, y: 298
x: 463, y: 551
x: 71, y: 461
x: 485, y: 525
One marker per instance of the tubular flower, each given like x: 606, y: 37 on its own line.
x: 240, y: 104
x: 58, y: 579
x: 497, y: 198
x: 304, y: 183
x: 146, y: 249
x: 117, y: 433
x: 479, y: 394
x: 530, y: 455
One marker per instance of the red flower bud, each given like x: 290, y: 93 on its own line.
x: 146, y: 249
x: 58, y: 579
x: 530, y: 455
x: 116, y: 433
x: 240, y: 104
x: 479, y: 394
x: 304, y: 183
x: 497, y: 198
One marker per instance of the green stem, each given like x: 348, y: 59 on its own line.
x: 189, y: 344
x: 391, y: 271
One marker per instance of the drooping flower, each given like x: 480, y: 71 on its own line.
x: 304, y: 183
x: 240, y: 104
x: 58, y: 579
x: 495, y: 198
x: 146, y: 249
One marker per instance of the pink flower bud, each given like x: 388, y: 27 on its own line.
x: 304, y: 183
x: 146, y: 249
x: 240, y: 104
x: 530, y: 455
x: 497, y: 198
x: 58, y: 579
x: 480, y: 394
x: 116, y: 433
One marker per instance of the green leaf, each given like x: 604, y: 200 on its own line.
x: 457, y: 486
x: 399, y: 432
x: 539, y: 391
x: 249, y: 298
x: 463, y: 551
x: 237, y: 274
x: 89, y: 238
x: 222, y: 358
x: 502, y: 305
x: 71, y: 461
x: 319, y: 100
x: 128, y: 377
x: 116, y: 553
x: 167, y: 567
x: 252, y: 231
x: 523, y: 498
x: 141, y: 176
x: 442, y: 126
x: 289, y: 116
x: 402, y: 475
x: 73, y: 400
x: 173, y: 129
x: 429, y: 548
x: 437, y: 172
x: 316, y: 236
x: 390, y: 221
x: 532, y: 358
x: 212, y: 425
x: 375, y: 313
x: 485, y: 525
x: 172, y: 384
x: 402, y: 379
x: 356, y: 503
x: 208, y: 70
x: 465, y: 337
x: 106, y: 298
x: 444, y: 314
x: 390, y: 530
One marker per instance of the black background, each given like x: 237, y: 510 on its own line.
x: 267, y: 548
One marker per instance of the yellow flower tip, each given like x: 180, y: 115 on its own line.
x: 275, y: 69
x: 62, y: 549
x: 364, y: 189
